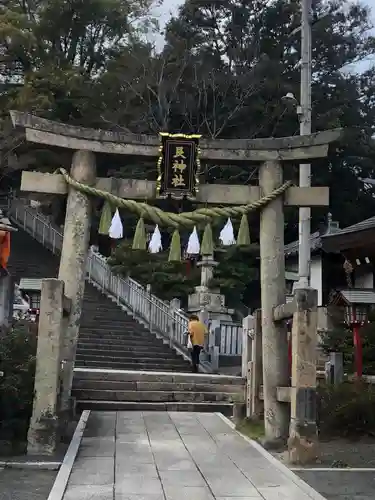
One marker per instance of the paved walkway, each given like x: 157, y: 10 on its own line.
x: 175, y: 456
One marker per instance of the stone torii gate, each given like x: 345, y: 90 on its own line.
x: 270, y: 153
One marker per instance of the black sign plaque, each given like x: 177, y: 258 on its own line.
x: 178, y: 166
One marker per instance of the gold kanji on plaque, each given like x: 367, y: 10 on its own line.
x: 179, y: 152
x: 178, y: 165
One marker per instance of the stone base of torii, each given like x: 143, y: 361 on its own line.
x: 281, y: 418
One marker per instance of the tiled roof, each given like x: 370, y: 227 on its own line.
x: 315, y: 244
x: 34, y: 284
x: 360, y: 226
x: 317, y: 237
x: 354, y: 296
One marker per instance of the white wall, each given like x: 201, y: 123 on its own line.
x: 364, y: 277
x: 316, y: 274
x: 316, y: 277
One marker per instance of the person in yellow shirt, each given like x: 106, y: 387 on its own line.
x: 197, y: 332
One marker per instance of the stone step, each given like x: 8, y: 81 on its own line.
x: 156, y: 376
x: 123, y: 354
x: 118, y: 321
x: 103, y: 312
x: 218, y: 407
x: 99, y: 329
x: 121, y: 340
x: 99, y: 356
x: 122, y: 365
x: 108, y: 333
x: 118, y: 385
x: 117, y: 318
x: 158, y: 396
x: 113, y: 327
x: 92, y: 305
x: 91, y: 345
x: 125, y: 336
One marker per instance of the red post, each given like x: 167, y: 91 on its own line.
x: 357, y: 351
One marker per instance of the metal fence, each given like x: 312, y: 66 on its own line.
x: 158, y: 315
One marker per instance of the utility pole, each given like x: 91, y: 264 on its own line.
x: 305, y: 129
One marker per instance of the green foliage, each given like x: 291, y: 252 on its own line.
x: 347, y: 410
x: 253, y: 429
x: 234, y: 275
x: 17, y: 362
x: 237, y: 275
x: 341, y: 340
x: 168, y: 280
x: 222, y: 72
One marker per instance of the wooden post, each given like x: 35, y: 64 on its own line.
x: 73, y: 260
x: 272, y: 277
x: 43, y: 431
x: 303, y: 438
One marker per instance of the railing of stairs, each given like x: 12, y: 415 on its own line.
x: 159, y: 316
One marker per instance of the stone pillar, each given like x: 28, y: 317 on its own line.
x: 303, y: 436
x: 207, y: 265
x: 174, y: 305
x: 6, y: 299
x: 206, y: 297
x: 204, y: 318
x: 214, y: 339
x: 247, y: 340
x: 73, y: 260
x: 43, y: 431
x: 252, y: 363
x: 272, y: 277
x: 257, y: 406
x: 337, y: 364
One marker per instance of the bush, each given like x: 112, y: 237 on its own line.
x: 17, y: 362
x: 341, y: 340
x: 346, y: 410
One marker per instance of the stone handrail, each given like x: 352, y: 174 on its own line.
x: 159, y: 316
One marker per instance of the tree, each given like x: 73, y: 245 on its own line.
x: 52, y: 56
x: 53, y: 51
x: 222, y: 72
x: 236, y: 275
x: 241, y: 35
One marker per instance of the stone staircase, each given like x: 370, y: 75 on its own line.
x: 142, y: 391
x: 119, y: 361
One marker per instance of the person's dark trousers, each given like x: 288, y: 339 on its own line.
x: 195, y: 353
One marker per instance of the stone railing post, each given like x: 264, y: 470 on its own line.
x: 247, y: 340
x: 214, y: 344
x: 204, y: 317
x: 43, y: 431
x: 149, y: 310
x: 174, y: 305
x: 252, y: 368
x: 6, y: 299
x: 303, y: 436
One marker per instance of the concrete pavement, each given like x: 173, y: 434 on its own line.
x: 176, y: 456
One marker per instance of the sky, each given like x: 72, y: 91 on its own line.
x: 169, y: 7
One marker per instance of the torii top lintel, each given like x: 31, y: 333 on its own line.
x: 42, y: 131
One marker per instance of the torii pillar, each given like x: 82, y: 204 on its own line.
x: 268, y: 152
x: 73, y: 259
